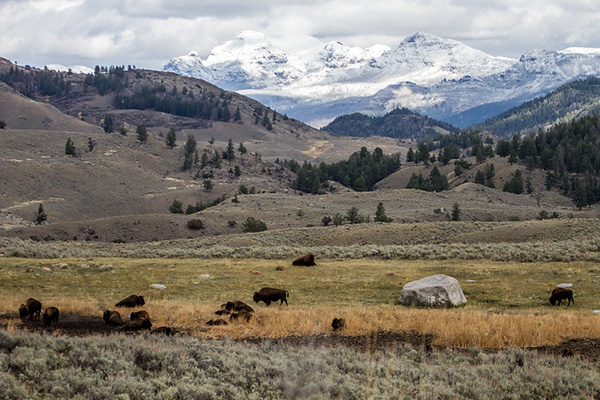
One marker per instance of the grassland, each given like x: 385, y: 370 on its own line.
x: 507, y: 301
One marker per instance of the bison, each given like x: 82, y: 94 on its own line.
x: 23, y: 311
x: 50, y: 316
x: 559, y: 294
x: 139, y: 315
x: 34, y: 308
x: 131, y: 301
x: 308, y: 260
x: 238, y: 306
x: 112, y: 318
x: 270, y: 295
x: 216, y: 322
x: 241, y: 316
x: 222, y: 312
x: 136, y: 325
x: 338, y: 323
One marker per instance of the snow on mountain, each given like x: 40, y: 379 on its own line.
x: 78, y: 69
x: 438, y: 77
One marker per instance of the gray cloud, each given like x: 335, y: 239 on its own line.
x: 148, y: 33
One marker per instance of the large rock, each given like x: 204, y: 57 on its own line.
x: 433, y: 291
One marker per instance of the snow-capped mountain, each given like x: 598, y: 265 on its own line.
x: 442, y: 78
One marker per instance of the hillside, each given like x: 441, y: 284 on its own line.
x: 568, y: 102
x: 399, y: 124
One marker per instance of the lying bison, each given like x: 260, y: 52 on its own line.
x: 559, y: 294
x: 338, y: 323
x: 136, y: 325
x: 162, y: 330
x: 112, y: 318
x: 139, y: 315
x: 241, y: 316
x: 307, y: 260
x: 131, y: 301
x: 271, y: 295
x: 50, y: 316
x: 34, y: 308
x: 238, y: 306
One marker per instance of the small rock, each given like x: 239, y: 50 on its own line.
x: 390, y: 273
x: 196, y: 283
x: 46, y: 269
x: 279, y: 268
x: 204, y: 276
x: 469, y: 281
x: 29, y: 269
x: 256, y: 272
x: 158, y: 286
x: 596, y: 312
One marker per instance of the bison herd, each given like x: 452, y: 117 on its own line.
x: 33, y: 309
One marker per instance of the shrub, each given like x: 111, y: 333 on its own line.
x: 254, y: 225
x: 326, y: 220
x: 176, y: 207
x: 195, y: 224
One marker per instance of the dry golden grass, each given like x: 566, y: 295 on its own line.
x: 507, y: 301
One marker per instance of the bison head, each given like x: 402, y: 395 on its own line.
x: 256, y: 297
x: 140, y: 301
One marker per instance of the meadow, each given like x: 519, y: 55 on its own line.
x: 507, y: 301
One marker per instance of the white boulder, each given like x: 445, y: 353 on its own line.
x: 565, y: 285
x: 158, y: 286
x: 433, y: 291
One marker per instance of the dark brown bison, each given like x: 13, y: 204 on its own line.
x: 338, y: 323
x: 162, y: 330
x: 216, y: 322
x: 222, y: 312
x: 241, y: 316
x: 131, y: 301
x: 136, y: 325
x: 112, y: 318
x: 558, y: 294
x: 23, y: 311
x: 271, y: 295
x: 238, y: 306
x: 50, y: 316
x: 34, y: 308
x: 308, y: 260
x: 139, y: 315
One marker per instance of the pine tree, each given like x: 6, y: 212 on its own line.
x: 70, y: 149
x: 410, y: 156
x: 142, y: 133
x: 456, y: 212
x: 230, y: 152
x: 108, y: 123
x: 176, y: 207
x: 242, y: 149
x: 91, y: 144
x: 189, y: 153
x: 171, y: 138
x: 40, y: 216
x: 380, y: 214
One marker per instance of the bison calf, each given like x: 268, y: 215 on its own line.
x: 50, y: 316
x: 34, y: 308
x: 559, y: 294
x: 131, y: 301
x: 112, y: 318
x: 307, y: 260
x: 338, y: 323
x: 139, y: 315
x: 23, y: 311
x: 271, y: 295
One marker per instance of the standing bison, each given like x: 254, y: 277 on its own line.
x: 307, y: 260
x: 50, y: 316
x: 34, y: 308
x: 559, y: 294
x: 23, y: 313
x: 271, y: 295
x: 338, y: 323
x: 131, y: 301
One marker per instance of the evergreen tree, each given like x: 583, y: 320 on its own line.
x: 480, y: 177
x: 40, y: 216
x: 242, y: 149
x: 70, y: 149
x: 208, y: 185
x: 171, y: 138
x: 380, y: 214
x: 422, y: 153
x: 230, y: 152
x: 189, y: 153
x: 353, y: 216
x: 410, y: 156
x: 2, y: 124
x: 176, y: 207
x: 237, y: 116
x: 91, y: 144
x: 456, y: 212
x: 108, y: 123
x: 236, y: 171
x: 142, y: 133
x: 515, y: 185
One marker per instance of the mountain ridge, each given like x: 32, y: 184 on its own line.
x: 441, y: 78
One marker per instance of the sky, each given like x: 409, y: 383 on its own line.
x: 150, y: 32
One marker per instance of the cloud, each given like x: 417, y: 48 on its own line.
x: 148, y: 33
